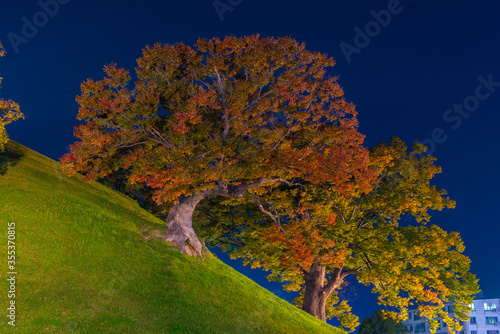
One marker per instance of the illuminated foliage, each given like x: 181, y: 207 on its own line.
x: 311, y: 236
x: 221, y: 118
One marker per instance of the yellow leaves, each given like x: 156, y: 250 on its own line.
x: 429, y: 296
x: 9, y: 111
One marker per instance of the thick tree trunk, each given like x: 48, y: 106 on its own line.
x: 317, y: 292
x: 315, y: 295
x: 180, y: 217
x: 180, y: 226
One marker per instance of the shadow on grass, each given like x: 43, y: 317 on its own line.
x: 9, y: 157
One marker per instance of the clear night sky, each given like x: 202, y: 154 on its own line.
x: 407, y: 80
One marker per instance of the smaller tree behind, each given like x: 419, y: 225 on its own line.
x: 9, y: 112
x: 313, y: 237
x: 377, y: 324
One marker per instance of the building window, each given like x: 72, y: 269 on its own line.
x: 473, y: 321
x: 409, y: 328
x: 473, y: 332
x: 491, y: 320
x: 420, y: 328
x: 491, y: 332
x: 417, y: 316
x: 450, y: 308
x: 490, y: 306
x: 410, y: 314
x: 472, y: 306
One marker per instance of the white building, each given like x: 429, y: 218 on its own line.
x: 484, y: 319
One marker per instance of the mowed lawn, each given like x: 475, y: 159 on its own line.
x: 83, y: 265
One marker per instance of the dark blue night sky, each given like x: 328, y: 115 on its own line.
x: 419, y: 70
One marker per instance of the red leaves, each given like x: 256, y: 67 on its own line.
x: 117, y: 77
x: 251, y: 107
x: 68, y: 161
x: 301, y: 243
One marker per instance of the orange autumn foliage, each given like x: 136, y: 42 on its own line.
x: 357, y: 233
x: 219, y: 118
x: 225, y: 110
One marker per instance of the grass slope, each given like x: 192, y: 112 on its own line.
x: 83, y: 266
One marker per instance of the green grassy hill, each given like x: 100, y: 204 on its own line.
x: 83, y: 266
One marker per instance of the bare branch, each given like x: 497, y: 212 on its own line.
x: 233, y: 236
x: 226, y: 126
x: 341, y: 212
x: 337, y: 279
x: 366, y: 219
x: 221, y: 87
x: 352, y: 213
x: 334, y: 281
x: 281, y: 139
x: 367, y: 261
x: 257, y: 100
x: 165, y: 143
x: 203, y: 155
x: 349, y: 272
x: 155, y: 133
x: 275, y: 217
x: 125, y: 145
x: 239, y: 190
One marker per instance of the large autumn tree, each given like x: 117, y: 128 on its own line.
x: 312, y: 236
x: 9, y: 112
x: 224, y: 117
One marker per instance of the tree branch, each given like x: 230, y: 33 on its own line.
x: 233, y: 236
x: 341, y: 213
x: 334, y: 281
x: 281, y: 139
x: 125, y: 145
x: 157, y: 134
x: 370, y: 216
x: 349, y: 272
x: 202, y: 155
x: 257, y: 99
x: 352, y: 214
x: 226, y: 126
x: 275, y: 217
x: 240, y: 190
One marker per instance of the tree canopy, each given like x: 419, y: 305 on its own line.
x: 225, y: 117
x: 9, y: 112
x: 313, y: 236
